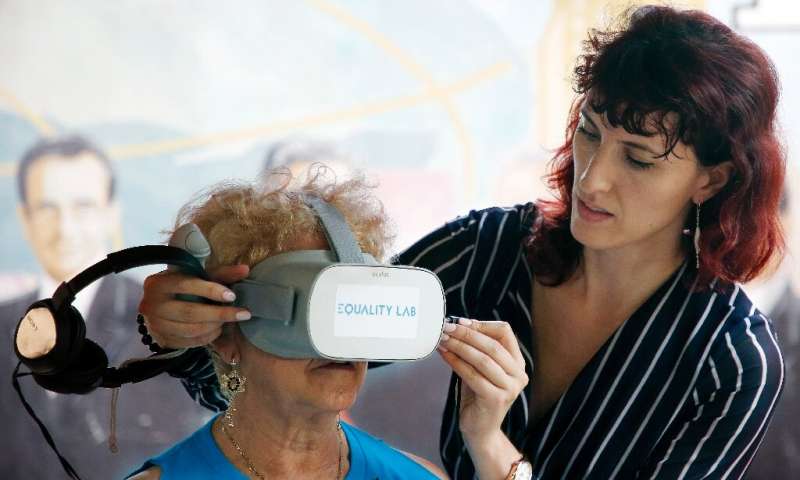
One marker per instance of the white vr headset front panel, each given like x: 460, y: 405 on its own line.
x: 363, y: 312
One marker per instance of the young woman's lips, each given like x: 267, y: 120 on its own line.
x: 590, y: 215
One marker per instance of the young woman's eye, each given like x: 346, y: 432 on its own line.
x: 587, y: 133
x: 637, y: 164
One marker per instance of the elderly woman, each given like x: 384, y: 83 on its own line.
x: 284, y: 415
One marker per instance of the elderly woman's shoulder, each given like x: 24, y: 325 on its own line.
x: 152, y: 473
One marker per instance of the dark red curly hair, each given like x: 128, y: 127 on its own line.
x: 724, y: 92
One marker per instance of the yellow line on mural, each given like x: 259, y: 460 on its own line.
x: 359, y: 111
x: 418, y: 72
x: 476, y: 78
x: 352, y: 113
x: 20, y: 109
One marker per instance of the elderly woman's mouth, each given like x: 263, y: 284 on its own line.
x: 335, y: 365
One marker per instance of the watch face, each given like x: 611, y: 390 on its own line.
x: 524, y: 471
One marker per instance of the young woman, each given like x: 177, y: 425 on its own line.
x: 645, y: 358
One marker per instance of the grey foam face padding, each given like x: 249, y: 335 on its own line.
x: 276, y: 293
x: 265, y: 300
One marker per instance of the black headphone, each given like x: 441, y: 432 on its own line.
x: 76, y: 364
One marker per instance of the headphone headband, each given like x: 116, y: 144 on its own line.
x: 127, y: 259
x: 67, y: 367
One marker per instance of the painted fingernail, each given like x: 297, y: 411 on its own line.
x: 243, y: 315
x: 228, y: 296
x: 445, y: 337
x: 465, y: 321
x: 449, y: 327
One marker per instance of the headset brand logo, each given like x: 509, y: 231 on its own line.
x: 380, y: 274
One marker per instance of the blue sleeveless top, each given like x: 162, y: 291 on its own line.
x: 198, y: 457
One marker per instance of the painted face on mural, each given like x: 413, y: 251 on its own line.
x: 68, y: 216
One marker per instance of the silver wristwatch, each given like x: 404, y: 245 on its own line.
x: 521, y: 470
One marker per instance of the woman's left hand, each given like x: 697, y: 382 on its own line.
x: 487, y: 358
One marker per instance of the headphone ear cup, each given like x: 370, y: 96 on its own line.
x: 72, y: 329
x: 82, y: 376
x: 70, y: 332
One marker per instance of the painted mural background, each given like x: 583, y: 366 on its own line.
x: 448, y: 105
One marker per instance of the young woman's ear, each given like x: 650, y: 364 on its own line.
x: 713, y: 180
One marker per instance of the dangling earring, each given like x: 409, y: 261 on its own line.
x: 697, y: 237
x: 232, y: 384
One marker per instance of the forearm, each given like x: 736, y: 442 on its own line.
x: 492, y: 455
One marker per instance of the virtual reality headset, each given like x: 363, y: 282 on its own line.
x: 338, y: 304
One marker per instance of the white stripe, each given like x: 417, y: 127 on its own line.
x: 752, y: 454
x: 471, y: 261
x: 772, y: 404
x: 672, y: 447
x: 714, y: 373
x: 524, y: 402
x: 705, y: 355
x: 725, y: 409
x: 530, y: 362
x: 521, y: 344
x: 686, y: 394
x: 494, y: 252
x: 645, y: 422
x: 583, y: 402
x: 454, y: 287
x: 697, y: 370
x: 510, y: 276
x: 436, y: 244
x: 699, y: 413
x: 580, y: 407
x: 695, y: 398
x: 547, y: 431
x: 755, y: 399
x: 524, y: 307
x: 526, y: 354
x: 458, y: 461
x: 643, y: 381
x: 454, y: 259
x: 452, y: 422
x: 680, y: 434
x: 622, y: 370
x: 206, y: 371
x: 464, y: 228
x: 528, y: 269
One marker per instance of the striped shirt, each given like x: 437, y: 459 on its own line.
x: 683, y: 389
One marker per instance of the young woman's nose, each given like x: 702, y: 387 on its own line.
x: 598, y: 175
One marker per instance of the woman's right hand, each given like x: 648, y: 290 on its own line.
x: 177, y: 323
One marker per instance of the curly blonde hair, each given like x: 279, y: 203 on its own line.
x: 246, y: 222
